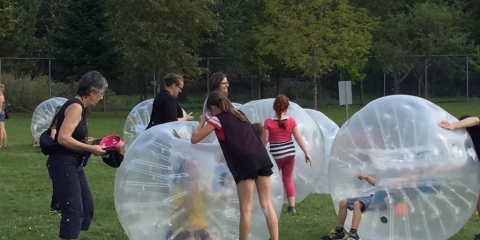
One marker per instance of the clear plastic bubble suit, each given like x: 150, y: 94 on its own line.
x: 43, y: 115
x: 155, y: 196
x: 305, y: 177
x: 329, y: 130
x: 427, y: 177
x: 137, y: 121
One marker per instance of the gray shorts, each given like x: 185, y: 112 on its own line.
x: 365, y: 200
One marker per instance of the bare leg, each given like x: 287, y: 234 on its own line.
x: 4, y: 135
x: 291, y: 201
x: 342, y: 212
x: 357, y: 214
x: 263, y: 188
x: 245, y: 197
x: 2, y: 130
x: 478, y: 204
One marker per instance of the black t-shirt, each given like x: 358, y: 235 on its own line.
x: 474, y: 133
x: 165, y: 109
x: 243, y: 149
x: 80, y: 133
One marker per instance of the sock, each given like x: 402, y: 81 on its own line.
x: 339, y: 229
x: 353, y: 231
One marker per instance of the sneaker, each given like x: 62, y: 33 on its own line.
x: 292, y: 210
x: 352, y: 236
x: 476, y: 237
x: 334, y: 235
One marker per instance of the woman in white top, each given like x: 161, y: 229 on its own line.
x: 218, y: 82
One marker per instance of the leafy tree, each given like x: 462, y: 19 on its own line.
x: 81, y: 43
x: 317, y: 36
x: 17, y: 25
x: 162, y: 35
x: 407, y: 41
x: 7, y: 17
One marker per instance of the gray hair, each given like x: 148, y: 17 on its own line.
x: 91, y: 82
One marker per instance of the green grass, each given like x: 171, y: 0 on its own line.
x: 26, y: 188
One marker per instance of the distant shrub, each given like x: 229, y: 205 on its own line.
x: 23, y: 94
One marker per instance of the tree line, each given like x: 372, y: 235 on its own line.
x: 322, y: 40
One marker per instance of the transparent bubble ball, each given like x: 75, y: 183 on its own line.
x: 427, y: 178
x: 305, y: 177
x: 157, y: 176
x: 137, y: 120
x: 329, y: 130
x: 43, y: 115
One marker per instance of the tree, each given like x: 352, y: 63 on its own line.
x: 162, y: 36
x: 317, y: 36
x: 17, y: 25
x: 407, y: 41
x: 81, y: 43
x: 7, y: 18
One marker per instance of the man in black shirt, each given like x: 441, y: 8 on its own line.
x: 165, y: 106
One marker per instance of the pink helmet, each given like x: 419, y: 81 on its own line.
x: 112, y: 142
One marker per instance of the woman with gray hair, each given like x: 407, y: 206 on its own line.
x: 65, y: 164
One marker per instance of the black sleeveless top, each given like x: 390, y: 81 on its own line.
x: 80, y: 133
x: 243, y: 149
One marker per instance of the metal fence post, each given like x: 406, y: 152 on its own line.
x: 50, y: 77
x: 466, y: 70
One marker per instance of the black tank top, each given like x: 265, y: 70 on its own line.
x: 243, y: 149
x: 80, y: 133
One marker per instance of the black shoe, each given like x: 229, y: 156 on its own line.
x: 292, y: 210
x: 352, y: 236
x: 476, y: 237
x: 334, y: 235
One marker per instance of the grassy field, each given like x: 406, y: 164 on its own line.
x: 26, y: 188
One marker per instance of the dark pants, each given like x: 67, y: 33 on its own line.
x: 73, y: 194
x: 54, y: 202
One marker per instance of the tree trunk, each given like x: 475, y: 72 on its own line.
x: 259, y: 89
x: 362, y: 96
x: 145, y: 87
x: 278, y: 84
x: 140, y: 83
x: 420, y: 83
x: 396, y: 82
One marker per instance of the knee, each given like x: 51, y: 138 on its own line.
x: 358, y: 205
x: 246, y: 208
x: 343, y: 203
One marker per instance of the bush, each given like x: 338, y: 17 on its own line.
x: 23, y: 94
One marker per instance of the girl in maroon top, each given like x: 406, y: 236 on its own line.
x: 246, y: 157
x: 278, y: 131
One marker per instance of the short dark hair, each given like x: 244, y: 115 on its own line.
x: 91, y: 82
x: 172, y: 78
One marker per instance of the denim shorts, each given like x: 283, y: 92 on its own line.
x: 366, y: 200
x: 2, y: 117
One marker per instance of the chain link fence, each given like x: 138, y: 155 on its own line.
x: 437, y: 78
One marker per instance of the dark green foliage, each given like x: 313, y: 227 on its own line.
x: 81, y: 43
x: 17, y: 26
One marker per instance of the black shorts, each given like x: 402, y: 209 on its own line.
x: 199, y: 234
x: 263, y: 172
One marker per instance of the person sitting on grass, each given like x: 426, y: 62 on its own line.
x: 358, y: 205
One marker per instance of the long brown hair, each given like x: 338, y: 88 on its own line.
x: 280, y: 105
x: 215, y: 81
x: 217, y: 98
